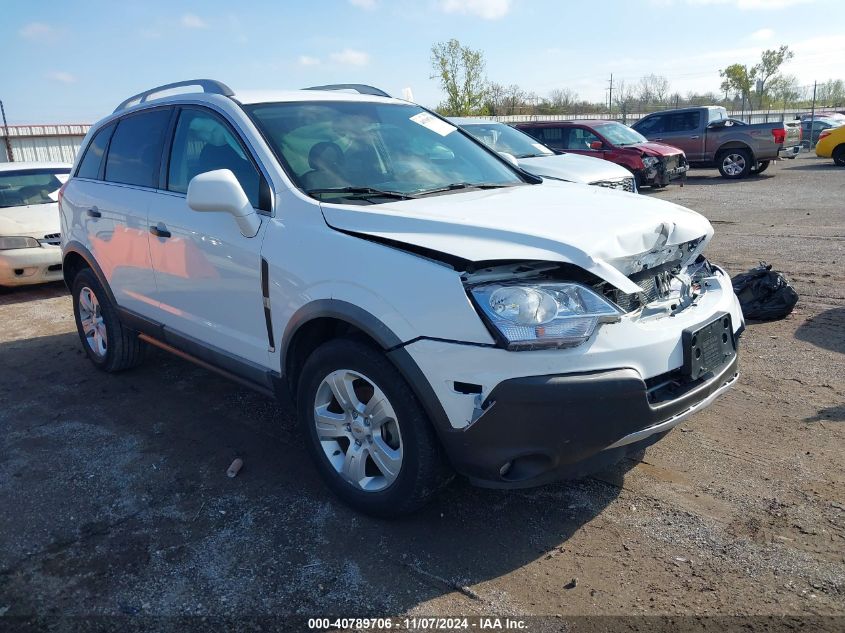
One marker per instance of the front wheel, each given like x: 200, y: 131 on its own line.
x: 366, y: 431
x: 735, y: 163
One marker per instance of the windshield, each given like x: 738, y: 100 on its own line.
x: 619, y: 134
x: 371, y: 152
x: 31, y: 186
x: 503, y: 138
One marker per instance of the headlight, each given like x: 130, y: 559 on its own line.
x: 8, y: 243
x: 541, y: 315
x: 650, y: 161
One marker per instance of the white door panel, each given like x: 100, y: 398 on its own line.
x: 208, y: 278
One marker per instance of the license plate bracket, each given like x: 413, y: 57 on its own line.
x: 708, y: 347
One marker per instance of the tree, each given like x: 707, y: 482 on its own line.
x: 831, y: 92
x: 653, y: 89
x: 562, y: 99
x: 770, y: 62
x: 623, y: 97
x: 739, y: 78
x: 784, y: 90
x: 460, y: 71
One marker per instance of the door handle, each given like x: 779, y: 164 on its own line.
x: 695, y: 137
x: 94, y: 213
x: 160, y: 231
x: 658, y: 139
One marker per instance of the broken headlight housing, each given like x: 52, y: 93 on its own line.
x: 650, y: 161
x: 543, y: 314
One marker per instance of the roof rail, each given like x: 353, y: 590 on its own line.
x: 208, y: 85
x: 363, y: 89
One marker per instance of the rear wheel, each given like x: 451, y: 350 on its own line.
x: 366, y: 431
x: 839, y: 155
x: 109, y: 345
x: 735, y: 163
x: 762, y: 166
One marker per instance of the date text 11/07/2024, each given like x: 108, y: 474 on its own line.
x: 418, y: 624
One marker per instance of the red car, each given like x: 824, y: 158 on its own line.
x: 653, y: 164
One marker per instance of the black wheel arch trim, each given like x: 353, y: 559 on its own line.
x: 79, y: 249
x: 391, y: 344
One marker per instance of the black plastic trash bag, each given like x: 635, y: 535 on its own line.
x: 764, y: 294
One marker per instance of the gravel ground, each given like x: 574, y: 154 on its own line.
x: 116, y: 500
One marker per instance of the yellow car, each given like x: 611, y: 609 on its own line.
x: 832, y: 144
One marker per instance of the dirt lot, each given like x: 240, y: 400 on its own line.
x: 115, y: 498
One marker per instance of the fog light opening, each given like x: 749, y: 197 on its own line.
x: 506, y: 468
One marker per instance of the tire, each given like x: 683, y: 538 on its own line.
x: 839, y: 155
x: 762, y: 166
x: 400, y: 437
x: 110, y: 346
x: 734, y: 163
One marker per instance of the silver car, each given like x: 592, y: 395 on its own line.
x: 536, y: 158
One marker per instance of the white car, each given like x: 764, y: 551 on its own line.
x: 29, y: 222
x: 536, y: 158
x: 429, y: 307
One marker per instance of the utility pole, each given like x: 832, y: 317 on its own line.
x: 9, y: 156
x: 610, y: 97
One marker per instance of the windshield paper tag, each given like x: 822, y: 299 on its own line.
x: 433, y: 123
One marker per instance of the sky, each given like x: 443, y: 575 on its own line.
x: 73, y: 62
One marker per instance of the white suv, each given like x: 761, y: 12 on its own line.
x: 430, y: 307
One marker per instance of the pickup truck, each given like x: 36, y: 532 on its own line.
x: 709, y: 138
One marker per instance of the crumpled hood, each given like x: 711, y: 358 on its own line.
x: 596, y: 228
x: 657, y: 149
x: 574, y: 168
x: 35, y: 220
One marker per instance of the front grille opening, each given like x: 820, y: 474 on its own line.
x: 656, y: 285
x: 54, y: 267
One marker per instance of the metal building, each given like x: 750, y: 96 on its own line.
x: 41, y: 142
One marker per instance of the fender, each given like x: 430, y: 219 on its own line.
x: 392, y: 345
x: 76, y: 247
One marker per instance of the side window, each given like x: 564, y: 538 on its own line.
x: 552, y: 136
x: 683, y: 122
x: 203, y: 142
x: 135, y: 150
x: 651, y: 125
x: 580, y: 138
x: 89, y: 166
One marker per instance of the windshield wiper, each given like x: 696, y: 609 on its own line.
x: 461, y: 185
x: 362, y: 192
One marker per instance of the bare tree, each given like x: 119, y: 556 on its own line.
x: 623, y: 97
x: 562, y: 99
x: 514, y: 99
x: 460, y: 71
x: 652, y: 89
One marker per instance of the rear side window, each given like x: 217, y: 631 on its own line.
x: 683, y: 122
x: 135, y: 150
x: 580, y: 138
x: 93, y: 159
x: 204, y: 143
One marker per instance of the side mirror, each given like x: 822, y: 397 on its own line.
x: 510, y: 158
x: 220, y: 192
x: 596, y: 145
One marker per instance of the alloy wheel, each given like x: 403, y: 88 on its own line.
x: 733, y: 164
x: 357, y: 429
x: 91, y: 318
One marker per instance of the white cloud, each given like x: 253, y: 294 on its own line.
x: 351, y: 57
x: 193, y: 21
x: 36, y: 30
x: 762, y: 35
x: 60, y: 76
x: 486, y: 9
x: 367, y: 5
x: 307, y: 60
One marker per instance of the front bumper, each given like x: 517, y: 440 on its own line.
x: 545, y: 428
x: 24, y: 266
x: 665, y: 171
